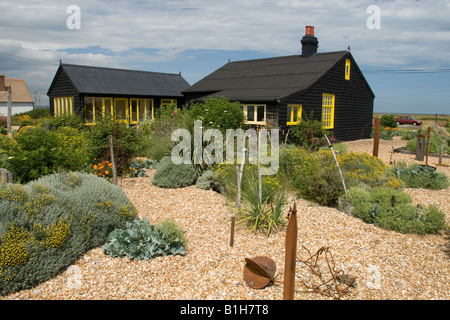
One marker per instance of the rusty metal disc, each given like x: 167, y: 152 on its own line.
x: 259, y: 272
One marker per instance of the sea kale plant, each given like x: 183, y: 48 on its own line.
x: 141, y: 240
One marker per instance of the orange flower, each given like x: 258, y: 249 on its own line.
x: 95, y: 167
x: 106, y: 172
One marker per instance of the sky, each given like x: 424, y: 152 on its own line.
x: 402, y: 46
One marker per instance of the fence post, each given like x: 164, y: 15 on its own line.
x: 233, y: 221
x: 428, y: 145
x: 290, y: 255
x: 376, y: 141
x: 420, y: 147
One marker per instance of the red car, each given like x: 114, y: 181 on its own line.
x: 408, y: 120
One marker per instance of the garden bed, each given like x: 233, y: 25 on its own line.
x: 388, y: 265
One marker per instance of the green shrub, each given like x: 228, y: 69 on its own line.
x: 437, y: 134
x: 309, y: 134
x: 409, y: 134
x: 126, y: 142
x: 394, y: 210
x: 364, y: 168
x: 388, y: 120
x: 227, y: 179
x: 316, y: 177
x: 435, y: 145
x: 218, y: 113
x: 47, y: 224
x: 37, y: 113
x: 157, y: 133
x: 323, y: 187
x: 72, y: 121
x: 142, y: 241
x: 38, y: 152
x: 419, y: 176
x: 170, y: 175
x: 206, y: 180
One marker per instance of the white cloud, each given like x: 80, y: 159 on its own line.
x: 413, y: 33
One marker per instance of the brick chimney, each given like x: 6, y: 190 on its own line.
x: 2, y: 83
x: 309, y: 43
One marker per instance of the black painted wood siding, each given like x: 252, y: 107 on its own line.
x: 353, y: 103
x: 63, y: 87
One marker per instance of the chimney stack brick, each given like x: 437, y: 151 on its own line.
x: 309, y: 43
x: 2, y: 83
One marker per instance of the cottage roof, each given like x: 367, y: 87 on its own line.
x: 267, y: 79
x: 109, y: 81
x: 20, y: 92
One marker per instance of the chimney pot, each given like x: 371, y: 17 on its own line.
x: 309, y: 43
x: 310, y: 30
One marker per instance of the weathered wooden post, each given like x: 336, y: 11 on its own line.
x: 441, y: 151
x: 420, y: 147
x: 376, y: 138
x: 233, y: 222
x: 9, y: 111
x: 428, y: 145
x: 259, y: 169
x: 113, y: 160
x: 290, y: 255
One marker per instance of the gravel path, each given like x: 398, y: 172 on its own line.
x: 387, y: 265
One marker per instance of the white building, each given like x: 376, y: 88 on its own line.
x: 22, y: 101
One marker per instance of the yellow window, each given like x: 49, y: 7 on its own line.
x: 347, y: 69
x: 328, y: 111
x: 255, y: 113
x: 88, y: 110
x: 166, y: 102
x: 121, y: 109
x: 63, y: 106
x: 294, y: 114
x: 95, y: 108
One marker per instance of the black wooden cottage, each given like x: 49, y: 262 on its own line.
x: 124, y: 95
x: 285, y: 89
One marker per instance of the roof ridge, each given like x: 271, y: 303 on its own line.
x: 291, y: 56
x: 117, y: 69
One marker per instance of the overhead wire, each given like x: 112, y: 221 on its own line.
x: 34, y: 60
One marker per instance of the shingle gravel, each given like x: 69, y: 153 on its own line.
x: 388, y: 265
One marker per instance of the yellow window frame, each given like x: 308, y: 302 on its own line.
x: 103, y: 109
x: 347, y: 69
x: 328, y: 103
x: 148, y: 105
x: 127, y: 117
x: 245, y: 108
x: 294, y: 110
x: 131, y: 113
x: 167, y: 102
x: 63, y: 106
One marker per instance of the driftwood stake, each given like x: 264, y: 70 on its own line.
x: 376, y: 141
x: 428, y: 145
x: 291, y: 255
x: 113, y: 160
x: 420, y: 147
x: 233, y: 222
x: 337, y: 163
